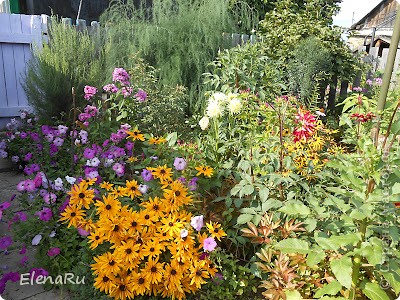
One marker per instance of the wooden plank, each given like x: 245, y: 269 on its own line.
x: 15, y: 38
x: 3, y: 90
x: 36, y: 31
x: 13, y: 111
x: 9, y: 74
x: 19, y: 58
x: 5, y: 23
x: 383, y: 59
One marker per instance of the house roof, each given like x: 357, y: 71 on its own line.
x: 372, y: 12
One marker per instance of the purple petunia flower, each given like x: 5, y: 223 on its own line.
x: 20, y: 217
x: 192, y: 184
x: 5, y: 205
x: 146, y: 175
x: 89, y: 153
x: 197, y: 222
x: 53, y: 251
x: 28, y: 156
x: 5, y: 242
x: 35, y: 272
x: 45, y: 214
x: 58, y: 141
x: 180, y: 163
x: 209, y: 244
x: 119, y: 169
x: 30, y: 185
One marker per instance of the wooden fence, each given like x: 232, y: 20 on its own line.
x: 18, y: 35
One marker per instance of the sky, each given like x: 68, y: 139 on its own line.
x: 357, y: 7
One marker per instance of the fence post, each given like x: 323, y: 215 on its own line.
x: 36, y: 31
x: 66, y: 21
x: 81, y: 24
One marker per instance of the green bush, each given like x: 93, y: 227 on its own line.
x: 245, y: 68
x: 70, y: 59
x: 310, y: 65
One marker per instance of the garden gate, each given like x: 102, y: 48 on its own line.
x: 17, y: 35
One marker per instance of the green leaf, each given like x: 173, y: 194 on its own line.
x: 315, y: 256
x: 271, y: 203
x: 244, y: 165
x: 246, y: 190
x: 244, y: 218
x: 396, y: 188
x: 335, y: 242
x: 394, y: 280
x: 342, y: 268
x: 330, y: 289
x: 295, y: 207
x: 372, y: 251
x: 293, y: 295
x: 374, y: 291
x: 235, y: 189
x: 172, y: 138
x: 293, y: 245
x: 263, y: 193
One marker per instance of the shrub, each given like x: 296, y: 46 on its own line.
x: 309, y: 68
x: 70, y: 59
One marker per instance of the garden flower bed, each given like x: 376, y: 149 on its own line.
x: 268, y: 202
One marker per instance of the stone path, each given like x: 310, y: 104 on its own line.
x: 10, y: 262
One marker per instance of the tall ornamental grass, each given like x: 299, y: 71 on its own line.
x: 177, y: 37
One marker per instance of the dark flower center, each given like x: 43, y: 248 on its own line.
x: 147, y: 217
x: 173, y: 272
x: 73, y: 214
x: 170, y: 224
x: 116, y: 228
x: 122, y: 287
x: 96, y: 237
x: 216, y: 230
x: 153, y: 269
x: 162, y: 171
x: 111, y: 263
x: 141, y: 280
x: 198, y: 273
x: 108, y: 206
x: 128, y: 251
x: 155, y: 207
x: 152, y: 249
x: 134, y: 224
x: 105, y: 279
x: 177, y: 193
x: 81, y: 195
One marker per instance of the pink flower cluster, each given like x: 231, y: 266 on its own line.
x: 89, y: 91
x: 121, y: 75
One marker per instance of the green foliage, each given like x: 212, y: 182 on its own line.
x: 245, y: 68
x: 164, y: 109
x: 178, y: 38
x: 234, y: 281
x: 70, y: 59
x: 292, y: 22
x: 311, y: 65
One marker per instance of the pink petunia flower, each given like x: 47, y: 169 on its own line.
x: 209, y: 244
x: 53, y: 251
